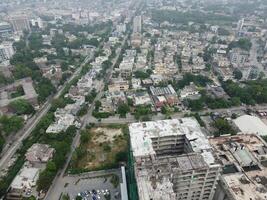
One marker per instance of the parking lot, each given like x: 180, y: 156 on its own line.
x: 92, y: 186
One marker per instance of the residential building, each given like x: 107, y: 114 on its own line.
x: 24, y: 86
x: 20, y: 23
x: 24, y: 181
x: 5, y: 29
x: 118, y: 85
x: 6, y: 51
x: 137, y: 24
x: 244, y: 159
x: 39, y: 153
x: 189, y: 91
x: 173, y: 160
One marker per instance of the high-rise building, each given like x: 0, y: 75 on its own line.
x: 137, y: 24
x: 20, y: 23
x: 6, y: 51
x: 173, y: 160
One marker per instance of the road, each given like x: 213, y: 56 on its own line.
x: 59, y: 180
x: 130, y: 118
x: 8, y: 152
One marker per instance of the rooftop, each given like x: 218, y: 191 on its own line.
x: 247, y: 153
x: 251, y: 124
x: 142, y: 134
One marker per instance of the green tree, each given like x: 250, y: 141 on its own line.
x: 237, y: 74
x: 11, y: 124
x: 223, y: 127
x: 44, y: 89
x: 123, y: 109
x: 2, y: 142
x: 65, y: 197
x: 46, y: 177
x: 21, y: 106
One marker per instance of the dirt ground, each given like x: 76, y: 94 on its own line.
x: 103, y: 148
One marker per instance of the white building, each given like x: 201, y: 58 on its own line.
x: 6, y: 51
x: 26, y: 178
x: 251, y: 124
x: 137, y: 24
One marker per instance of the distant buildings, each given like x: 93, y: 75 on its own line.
x: 20, y: 23
x: 137, y: 24
x: 21, y: 89
x: 190, y: 92
x: 6, y: 51
x: 173, y: 160
x: 5, y: 29
x: 137, y: 30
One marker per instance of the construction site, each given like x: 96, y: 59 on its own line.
x: 173, y: 160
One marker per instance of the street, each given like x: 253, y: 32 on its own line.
x: 58, y: 181
x: 8, y: 153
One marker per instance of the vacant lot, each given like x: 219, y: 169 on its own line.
x: 101, y: 148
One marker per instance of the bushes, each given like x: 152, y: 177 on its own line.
x: 11, y: 124
x: 253, y: 92
x: 242, y: 43
x: 188, y: 78
x: 223, y: 127
x: 21, y: 106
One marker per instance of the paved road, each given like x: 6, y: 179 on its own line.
x: 59, y: 180
x: 8, y: 153
x: 130, y: 118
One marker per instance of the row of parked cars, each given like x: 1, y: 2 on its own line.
x: 94, y: 194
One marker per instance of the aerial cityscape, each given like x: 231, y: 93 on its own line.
x: 133, y: 100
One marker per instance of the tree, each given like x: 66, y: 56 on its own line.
x: 44, y: 89
x: 66, y: 197
x: 237, y: 74
x: 46, y: 177
x: 123, y: 109
x: 97, y: 105
x: 223, y: 127
x: 2, y: 142
x: 141, y: 74
x: 85, y: 136
x: 242, y: 43
x: 11, y: 124
x: 196, y: 105
x: 21, y: 106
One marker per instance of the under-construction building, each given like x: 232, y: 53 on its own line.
x: 173, y: 160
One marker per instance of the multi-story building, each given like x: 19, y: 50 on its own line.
x: 20, y: 23
x: 6, y: 51
x: 173, y: 160
x: 5, y: 29
x: 137, y: 24
x: 244, y: 159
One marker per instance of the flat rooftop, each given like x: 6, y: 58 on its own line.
x: 248, y: 153
x: 251, y: 124
x: 142, y: 133
x: 28, y: 89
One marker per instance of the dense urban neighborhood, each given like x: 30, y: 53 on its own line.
x: 133, y: 99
